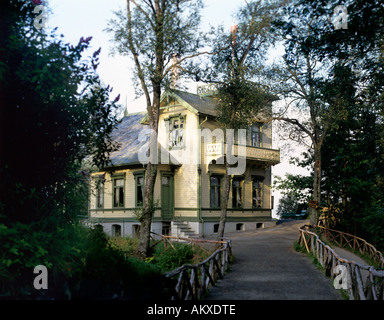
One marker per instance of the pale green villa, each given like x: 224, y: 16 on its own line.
x: 189, y: 181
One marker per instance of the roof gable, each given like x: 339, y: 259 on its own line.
x: 193, y: 102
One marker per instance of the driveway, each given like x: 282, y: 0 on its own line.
x: 267, y: 268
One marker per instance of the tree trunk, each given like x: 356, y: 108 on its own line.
x: 150, y: 177
x: 148, y: 210
x: 224, y: 203
x: 316, y: 186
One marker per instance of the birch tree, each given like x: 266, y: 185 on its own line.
x: 152, y: 33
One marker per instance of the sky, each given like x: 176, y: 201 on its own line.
x: 84, y: 18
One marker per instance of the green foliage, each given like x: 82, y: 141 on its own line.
x: 373, y: 225
x: 339, y: 72
x: 107, y: 272
x: 240, y: 102
x: 57, y: 114
x: 82, y: 264
x: 242, y: 54
x: 298, y: 186
x: 169, y: 258
x: 163, y: 256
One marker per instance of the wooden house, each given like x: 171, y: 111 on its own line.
x: 191, y: 155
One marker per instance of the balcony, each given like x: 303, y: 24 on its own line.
x: 267, y: 156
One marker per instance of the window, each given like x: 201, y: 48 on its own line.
x: 237, y: 200
x: 139, y: 190
x: 118, y: 193
x: 136, y: 231
x: 116, y: 230
x: 257, y: 192
x: 166, y: 228
x: 215, y: 192
x: 99, y: 193
x: 176, y: 132
x: 256, y: 135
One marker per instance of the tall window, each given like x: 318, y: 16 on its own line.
x: 118, y: 193
x: 139, y: 190
x: 237, y: 200
x: 99, y: 193
x: 215, y: 192
x: 176, y: 132
x: 257, y: 193
x: 256, y: 135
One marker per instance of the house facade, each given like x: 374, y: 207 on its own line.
x: 191, y: 151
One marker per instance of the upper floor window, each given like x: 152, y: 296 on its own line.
x: 176, y: 132
x: 256, y: 135
x: 118, y: 192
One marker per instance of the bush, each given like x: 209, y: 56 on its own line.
x: 109, y: 274
x: 81, y: 263
x: 169, y: 258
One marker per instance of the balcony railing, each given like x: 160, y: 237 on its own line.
x: 215, y: 151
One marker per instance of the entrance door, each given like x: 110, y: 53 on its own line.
x: 167, y: 196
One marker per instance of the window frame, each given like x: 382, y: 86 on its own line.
x: 114, y: 188
x: 261, y: 189
x: 258, y: 133
x: 241, y: 187
x: 219, y: 187
x: 99, y: 187
x: 170, y: 123
x: 137, y: 176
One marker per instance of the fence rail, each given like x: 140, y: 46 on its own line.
x: 193, y: 281
x: 362, y: 282
x: 344, y: 240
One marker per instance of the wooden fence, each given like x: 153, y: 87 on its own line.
x: 345, y: 240
x: 350, y: 273
x: 193, y: 281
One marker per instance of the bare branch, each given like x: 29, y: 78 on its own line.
x: 136, y: 56
x: 178, y: 64
x: 298, y: 124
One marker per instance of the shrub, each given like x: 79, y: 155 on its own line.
x: 109, y: 274
x: 169, y: 258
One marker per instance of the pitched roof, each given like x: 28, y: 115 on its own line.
x: 127, y: 136
x: 201, y: 104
